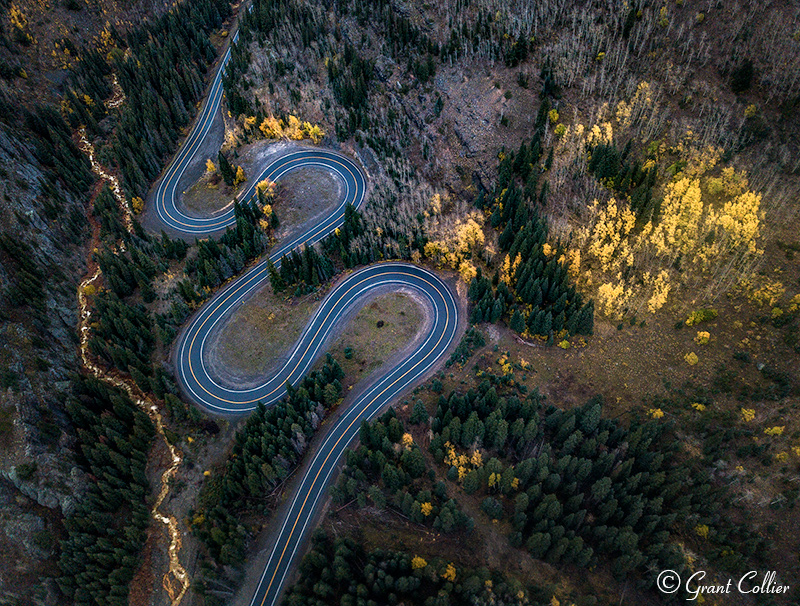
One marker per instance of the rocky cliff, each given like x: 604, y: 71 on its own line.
x: 43, y: 228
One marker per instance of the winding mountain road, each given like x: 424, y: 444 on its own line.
x: 191, y: 353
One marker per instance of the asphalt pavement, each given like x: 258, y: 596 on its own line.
x: 191, y: 351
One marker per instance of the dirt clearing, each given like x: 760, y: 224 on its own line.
x: 260, y: 333
x: 302, y: 193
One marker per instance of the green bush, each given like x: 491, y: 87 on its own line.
x: 701, y: 315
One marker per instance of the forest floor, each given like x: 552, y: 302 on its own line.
x: 636, y: 369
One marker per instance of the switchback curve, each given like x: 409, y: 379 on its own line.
x: 190, y: 352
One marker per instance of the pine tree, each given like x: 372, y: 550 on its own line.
x: 517, y: 323
x: 278, y: 283
x: 225, y: 168
x: 420, y: 413
x: 497, y: 310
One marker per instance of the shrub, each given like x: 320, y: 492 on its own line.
x: 702, y: 338
x: 701, y: 315
x: 742, y: 77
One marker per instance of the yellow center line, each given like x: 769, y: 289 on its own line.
x: 302, y: 356
x: 330, y: 452
x: 226, y: 220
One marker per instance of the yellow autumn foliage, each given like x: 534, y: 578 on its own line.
x: 467, y: 271
x: 17, y: 17
x: 271, y: 128
x: 703, y: 337
x: 313, y: 132
x: 477, y: 458
x: 704, y: 237
x: 612, y: 296
x: 449, y: 573
x: 659, y: 289
x: 456, y: 242
x: 706, y: 234
x: 266, y: 189
x: 293, y: 129
x: 239, y: 177
x: 509, y: 268
x: 762, y: 290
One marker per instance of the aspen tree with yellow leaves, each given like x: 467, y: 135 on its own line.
x: 137, y: 204
x: 454, y: 242
x: 293, y: 129
x: 271, y: 128
x: 240, y: 177
x: 705, y: 237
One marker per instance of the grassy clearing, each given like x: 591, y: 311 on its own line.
x: 302, y: 194
x: 262, y: 330
x: 369, y: 345
x: 208, y: 195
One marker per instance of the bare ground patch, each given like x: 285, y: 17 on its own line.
x: 208, y: 195
x: 304, y: 192
x: 261, y: 333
